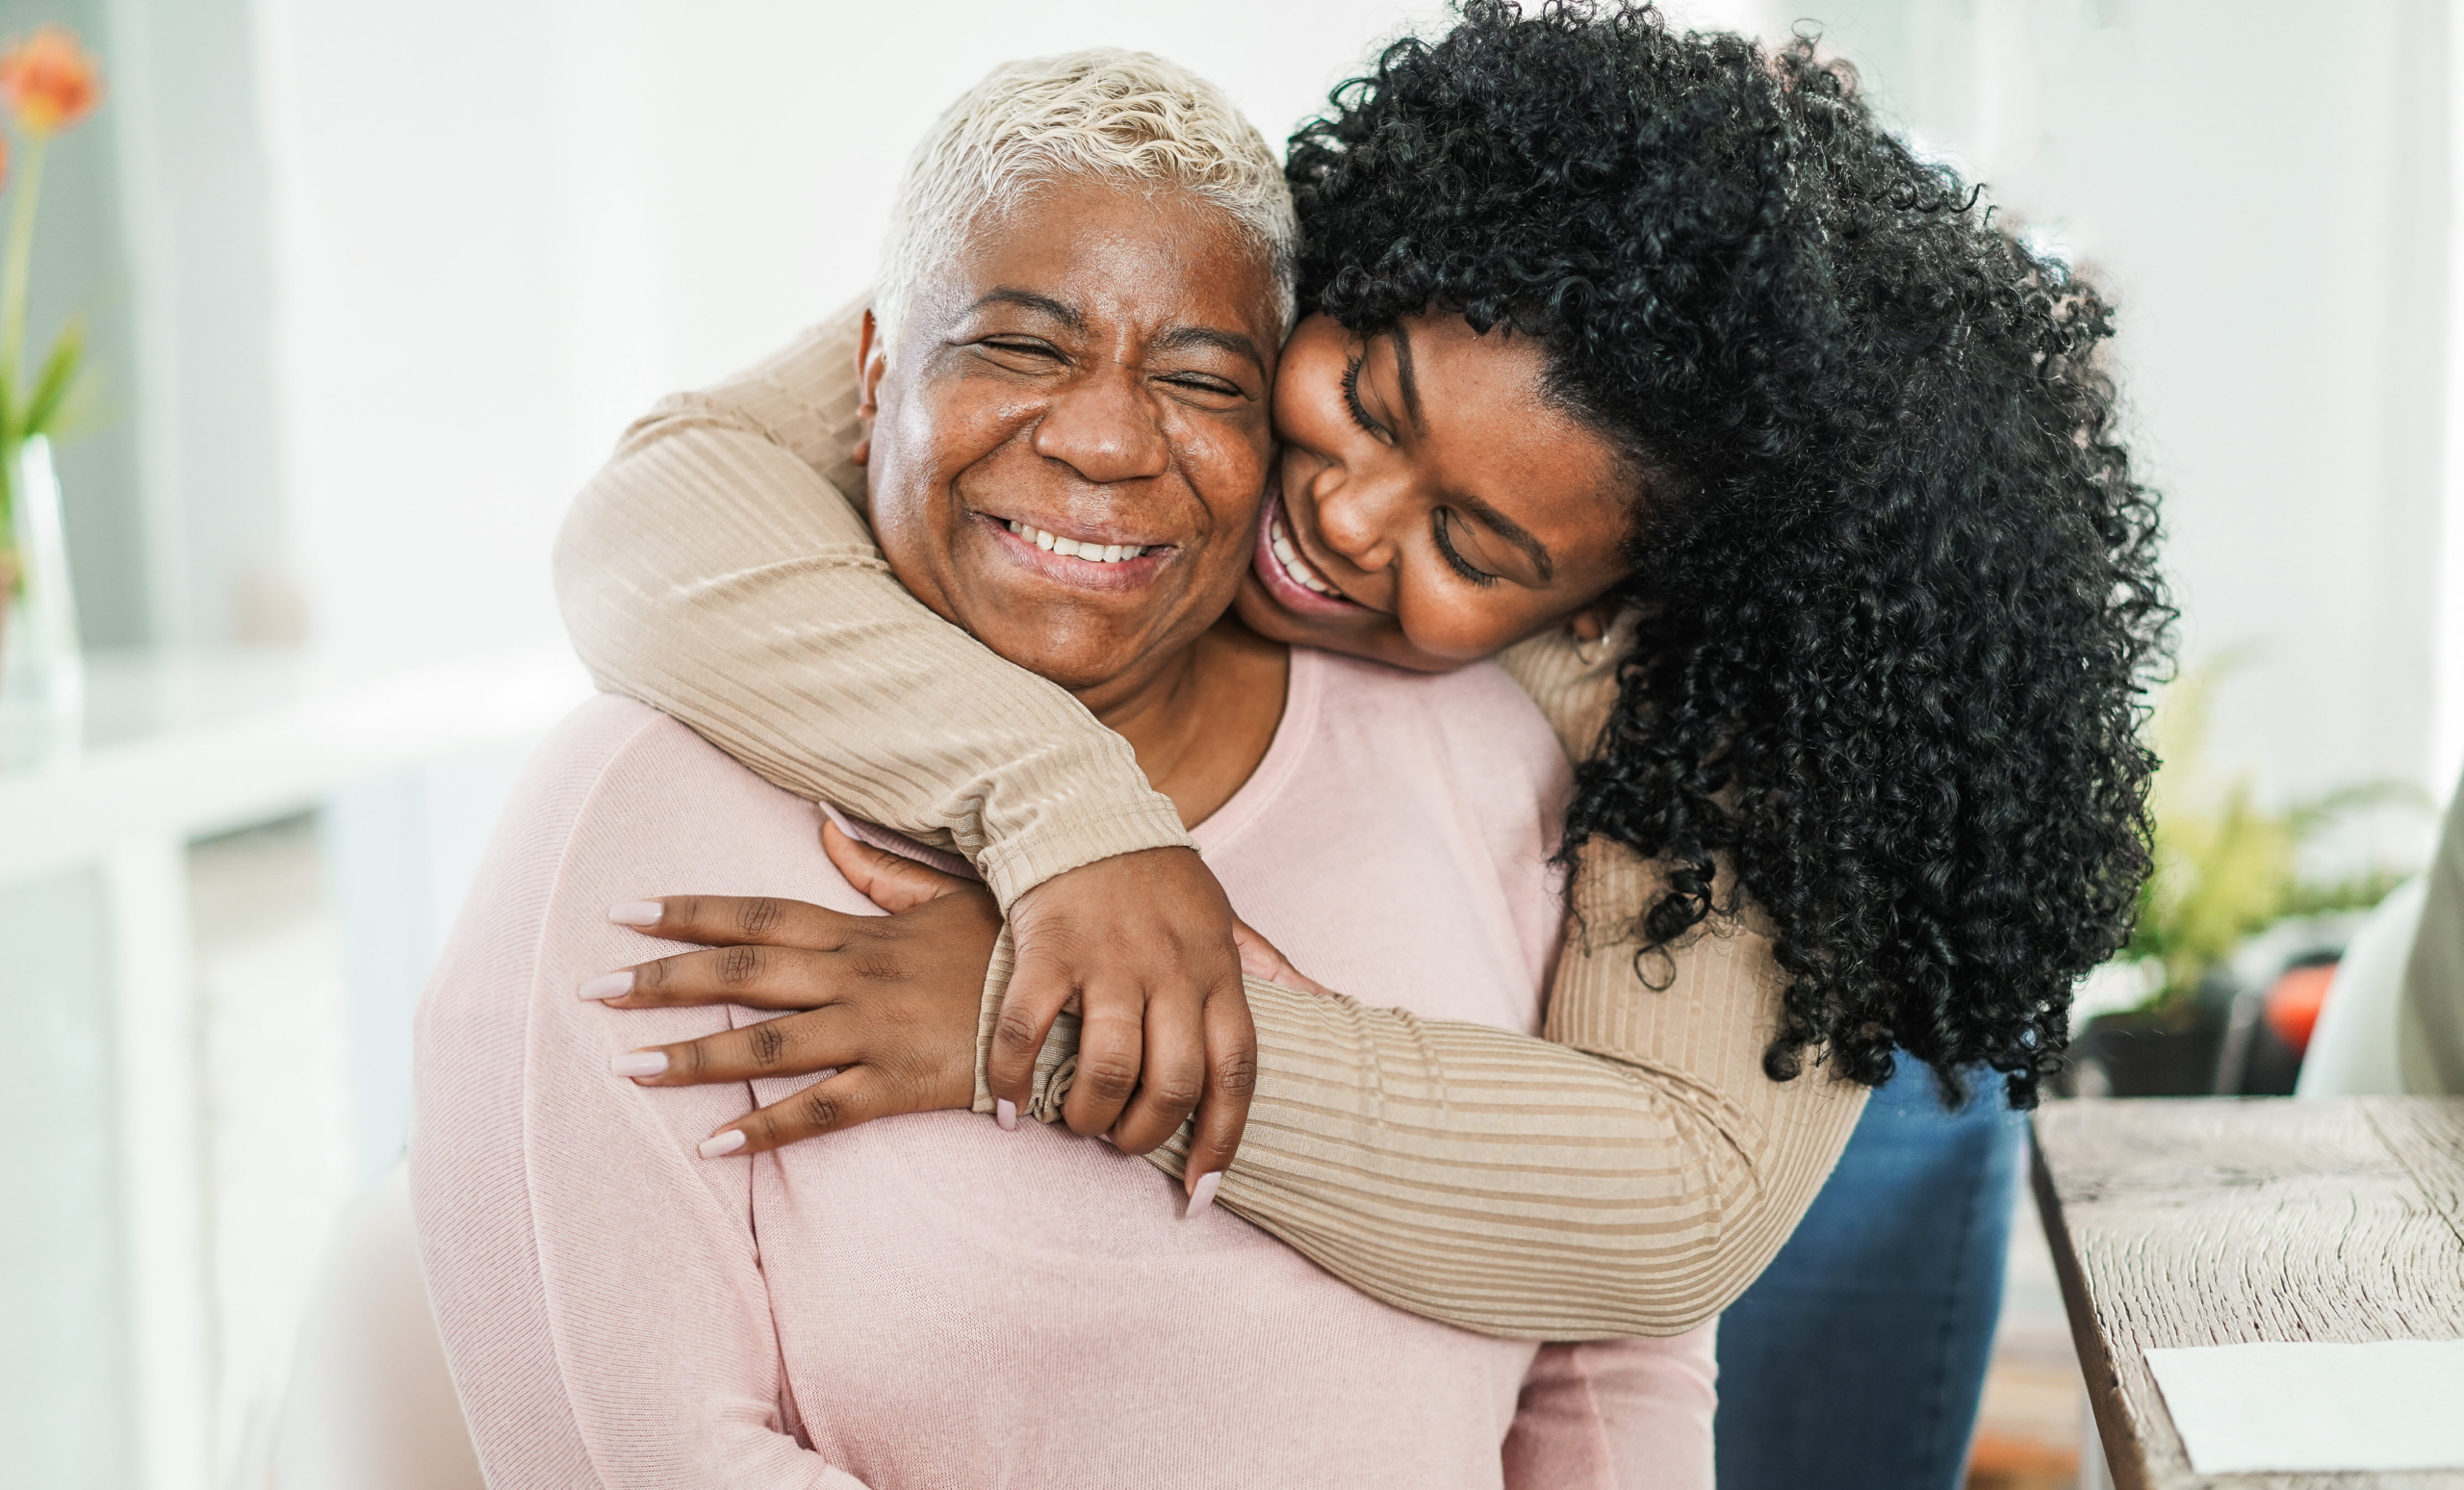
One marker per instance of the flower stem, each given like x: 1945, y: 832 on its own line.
x: 13, y: 298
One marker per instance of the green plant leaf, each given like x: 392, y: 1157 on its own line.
x: 2227, y: 868
x: 58, y: 378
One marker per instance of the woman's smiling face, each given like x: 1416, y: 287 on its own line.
x: 1435, y: 505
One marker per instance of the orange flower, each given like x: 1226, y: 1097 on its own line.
x: 50, y: 80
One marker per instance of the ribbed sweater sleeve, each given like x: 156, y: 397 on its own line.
x: 1629, y: 1174
x: 719, y: 569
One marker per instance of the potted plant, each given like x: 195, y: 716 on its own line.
x: 2226, y: 869
x: 48, y: 82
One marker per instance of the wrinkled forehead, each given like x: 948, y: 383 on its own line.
x: 1139, y: 254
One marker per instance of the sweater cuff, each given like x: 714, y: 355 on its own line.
x: 1025, y: 857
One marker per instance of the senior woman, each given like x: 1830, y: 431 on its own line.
x: 929, y: 1301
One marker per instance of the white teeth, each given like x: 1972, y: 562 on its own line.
x: 1294, y: 565
x: 1090, y: 552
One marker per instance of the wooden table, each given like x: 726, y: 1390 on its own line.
x: 2210, y: 1220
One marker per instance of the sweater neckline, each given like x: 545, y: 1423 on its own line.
x: 1304, y: 685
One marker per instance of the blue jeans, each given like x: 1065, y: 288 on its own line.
x: 1855, y: 1361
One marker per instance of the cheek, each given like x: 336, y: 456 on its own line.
x: 1445, y: 619
x: 1226, y: 463
x: 1309, y: 402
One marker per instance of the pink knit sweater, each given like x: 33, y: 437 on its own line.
x: 929, y: 1301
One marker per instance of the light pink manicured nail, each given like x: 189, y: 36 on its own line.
x: 1006, y: 1112
x: 639, y: 1063
x: 720, y: 1144
x: 1202, y: 1194
x: 636, y: 913
x: 615, y: 985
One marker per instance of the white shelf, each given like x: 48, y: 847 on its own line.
x: 171, y: 749
x: 182, y: 747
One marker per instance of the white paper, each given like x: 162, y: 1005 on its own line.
x: 2390, y: 1404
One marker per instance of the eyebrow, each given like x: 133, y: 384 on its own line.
x: 1181, y: 338
x: 1490, y: 517
x: 1028, y: 300
x: 1402, y: 336
x: 1510, y: 531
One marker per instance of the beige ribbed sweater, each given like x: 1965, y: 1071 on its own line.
x: 1629, y: 1174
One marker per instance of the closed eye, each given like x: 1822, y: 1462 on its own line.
x: 1199, y: 382
x: 1440, y: 522
x: 1351, y: 402
x: 1015, y: 346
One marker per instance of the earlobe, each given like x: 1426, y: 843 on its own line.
x: 870, y: 365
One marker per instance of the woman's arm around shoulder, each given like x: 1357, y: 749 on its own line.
x: 719, y: 568
x: 1629, y: 1173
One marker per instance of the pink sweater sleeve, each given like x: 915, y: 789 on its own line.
x: 1616, y: 1415
x: 597, y: 1285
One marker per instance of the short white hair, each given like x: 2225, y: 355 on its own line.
x: 1129, y: 117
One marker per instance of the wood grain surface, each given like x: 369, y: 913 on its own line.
x: 2212, y: 1221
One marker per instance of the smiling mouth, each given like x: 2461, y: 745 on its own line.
x: 1288, y: 557
x: 1071, y: 547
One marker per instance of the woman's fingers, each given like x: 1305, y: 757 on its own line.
x: 734, y: 920
x: 796, y: 1044
x: 755, y: 977
x: 883, y: 878
x: 1039, y: 989
x: 854, y: 1096
x: 1262, y: 960
x: 1171, y: 1077
x: 1232, y: 1076
x: 1112, y: 1055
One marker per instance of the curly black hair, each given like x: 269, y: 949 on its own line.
x: 1895, y: 587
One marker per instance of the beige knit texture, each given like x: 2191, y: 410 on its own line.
x: 1629, y: 1173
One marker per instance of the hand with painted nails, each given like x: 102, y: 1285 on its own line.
x: 1145, y: 948
x: 888, y: 1005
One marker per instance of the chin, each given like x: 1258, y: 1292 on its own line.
x: 1062, y: 654
x: 1372, y: 636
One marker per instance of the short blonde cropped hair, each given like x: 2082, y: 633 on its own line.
x: 1128, y: 116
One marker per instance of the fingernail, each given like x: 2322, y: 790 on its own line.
x: 615, y: 985
x: 719, y: 1145
x: 639, y: 1063
x: 636, y: 913
x: 1202, y: 1194
x: 1006, y: 1112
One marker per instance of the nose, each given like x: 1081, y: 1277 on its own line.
x: 1105, y: 428
x: 1358, y: 510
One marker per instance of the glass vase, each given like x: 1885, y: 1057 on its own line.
x: 43, y: 670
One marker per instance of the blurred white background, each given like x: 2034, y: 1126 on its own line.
x: 376, y: 286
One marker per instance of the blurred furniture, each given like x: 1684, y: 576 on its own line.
x: 2352, y: 1051
x: 2213, y: 1222
x: 108, y: 1376
x: 371, y: 1404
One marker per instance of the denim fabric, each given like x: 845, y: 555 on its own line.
x: 1855, y: 1361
